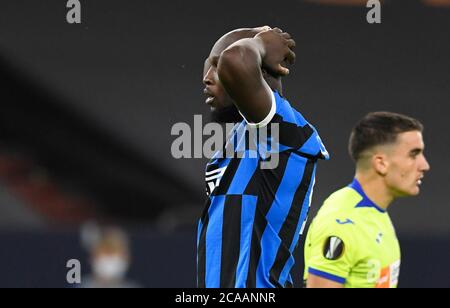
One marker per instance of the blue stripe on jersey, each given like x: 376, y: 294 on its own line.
x: 243, y: 175
x: 327, y: 275
x: 288, y: 113
x: 277, y: 216
x: 247, y: 219
x: 365, y: 202
x: 314, y: 146
x: 285, y: 274
x: 214, y: 242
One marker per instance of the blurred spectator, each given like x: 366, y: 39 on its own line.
x: 110, y: 259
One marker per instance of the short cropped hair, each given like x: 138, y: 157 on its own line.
x: 379, y: 128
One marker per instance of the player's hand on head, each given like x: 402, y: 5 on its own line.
x: 261, y: 29
x: 279, y: 52
x: 255, y: 31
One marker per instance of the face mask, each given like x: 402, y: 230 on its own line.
x: 110, y: 267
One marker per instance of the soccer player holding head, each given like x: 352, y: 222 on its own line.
x: 352, y: 242
x: 254, y: 216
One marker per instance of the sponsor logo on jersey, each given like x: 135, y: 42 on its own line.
x: 345, y: 222
x: 389, y: 276
x: 213, y: 179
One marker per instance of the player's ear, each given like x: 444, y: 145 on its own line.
x: 380, y: 163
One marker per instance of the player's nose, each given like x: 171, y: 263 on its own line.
x: 425, y: 165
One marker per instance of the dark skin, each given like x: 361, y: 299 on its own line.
x: 244, y: 67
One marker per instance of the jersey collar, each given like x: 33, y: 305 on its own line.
x: 365, y: 202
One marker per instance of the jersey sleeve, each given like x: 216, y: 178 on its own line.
x: 330, y: 249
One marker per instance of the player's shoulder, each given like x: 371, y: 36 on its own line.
x: 286, y: 112
x: 342, y: 201
x: 338, y: 213
x: 296, y: 131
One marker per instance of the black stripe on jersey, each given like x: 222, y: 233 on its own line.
x: 227, y: 178
x: 291, y: 135
x: 287, y: 232
x: 264, y: 184
x: 308, y: 156
x: 231, y: 240
x: 201, y: 254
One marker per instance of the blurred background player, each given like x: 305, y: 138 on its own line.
x: 352, y: 242
x: 253, y: 217
x: 110, y: 260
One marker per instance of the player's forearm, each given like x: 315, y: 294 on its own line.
x: 239, y: 70
x: 240, y: 64
x: 243, y: 54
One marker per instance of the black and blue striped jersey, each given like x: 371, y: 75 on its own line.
x: 254, y: 216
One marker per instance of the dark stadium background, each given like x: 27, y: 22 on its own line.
x: 87, y: 110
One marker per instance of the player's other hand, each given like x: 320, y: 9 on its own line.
x: 278, y: 47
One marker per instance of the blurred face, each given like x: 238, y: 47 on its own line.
x: 405, y: 164
x: 110, y: 264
